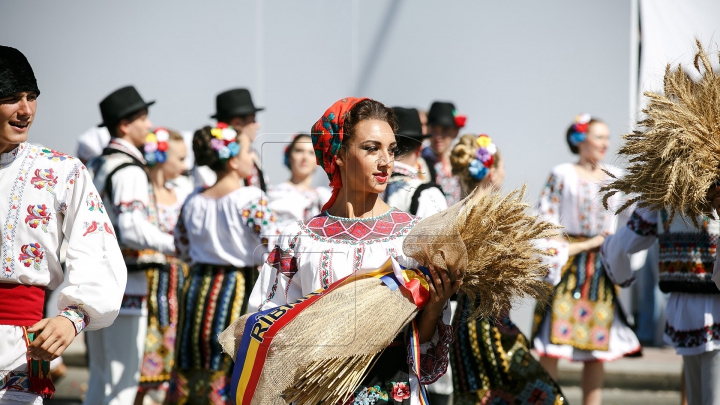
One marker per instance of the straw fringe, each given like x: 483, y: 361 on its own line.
x: 675, y: 154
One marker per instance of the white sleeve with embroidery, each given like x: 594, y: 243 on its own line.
x: 95, y: 268
x: 274, y: 286
x: 262, y: 223
x: 638, y: 235
x: 130, y: 200
x: 557, y: 256
x: 549, y: 210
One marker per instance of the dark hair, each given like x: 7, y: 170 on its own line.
x: 113, y: 128
x: 205, y: 155
x: 290, y: 147
x: 367, y: 110
x: 573, y: 148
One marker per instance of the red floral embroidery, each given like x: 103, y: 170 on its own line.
x: 400, y: 391
x: 283, y: 261
x: 38, y: 215
x: 32, y: 254
x: 44, y: 178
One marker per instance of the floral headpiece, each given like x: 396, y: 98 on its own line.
x: 156, y: 145
x: 484, y: 157
x: 580, y: 129
x: 224, y: 141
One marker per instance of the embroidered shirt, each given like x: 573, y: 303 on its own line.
x: 312, y: 254
x: 576, y: 204
x: 132, y: 210
x: 47, y: 197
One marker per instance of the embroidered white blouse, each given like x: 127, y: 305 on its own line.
x: 312, y: 254
x: 48, y: 196
x: 230, y: 230
x: 293, y: 204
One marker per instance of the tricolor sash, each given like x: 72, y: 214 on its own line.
x: 263, y: 326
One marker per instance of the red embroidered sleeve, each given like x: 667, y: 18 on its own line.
x: 434, y: 362
x: 283, y: 261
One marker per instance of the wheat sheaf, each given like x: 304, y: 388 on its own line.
x: 674, y: 155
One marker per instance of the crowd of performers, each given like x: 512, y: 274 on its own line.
x: 155, y: 270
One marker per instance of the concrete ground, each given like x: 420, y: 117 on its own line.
x: 652, y: 379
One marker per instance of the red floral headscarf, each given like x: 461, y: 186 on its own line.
x: 327, y: 135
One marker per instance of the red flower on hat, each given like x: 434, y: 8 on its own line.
x: 460, y: 120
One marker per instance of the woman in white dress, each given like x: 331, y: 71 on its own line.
x: 296, y: 199
x: 164, y: 151
x: 222, y: 232
x: 354, y: 142
x: 585, y: 322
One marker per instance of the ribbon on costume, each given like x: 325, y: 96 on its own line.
x: 263, y: 326
x: 327, y: 135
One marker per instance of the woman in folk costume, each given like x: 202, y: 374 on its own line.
x: 47, y: 197
x: 164, y: 151
x: 354, y: 142
x: 222, y: 231
x: 296, y: 199
x: 674, y: 174
x: 585, y: 322
x: 490, y: 357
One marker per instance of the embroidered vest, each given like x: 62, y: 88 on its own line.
x: 687, y: 254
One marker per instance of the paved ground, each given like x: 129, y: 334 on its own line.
x: 652, y: 379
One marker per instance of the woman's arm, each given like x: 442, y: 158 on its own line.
x: 441, y: 289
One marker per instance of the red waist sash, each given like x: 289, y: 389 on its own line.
x: 21, y: 305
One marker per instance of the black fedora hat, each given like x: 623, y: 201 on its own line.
x: 409, y: 125
x: 442, y: 113
x: 234, y: 102
x: 16, y: 74
x: 121, y: 103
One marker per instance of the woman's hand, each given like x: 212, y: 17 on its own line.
x: 592, y: 244
x: 595, y: 242
x: 441, y: 289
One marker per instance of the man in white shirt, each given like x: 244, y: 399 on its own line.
x: 47, y: 196
x: 406, y: 190
x: 116, y: 353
